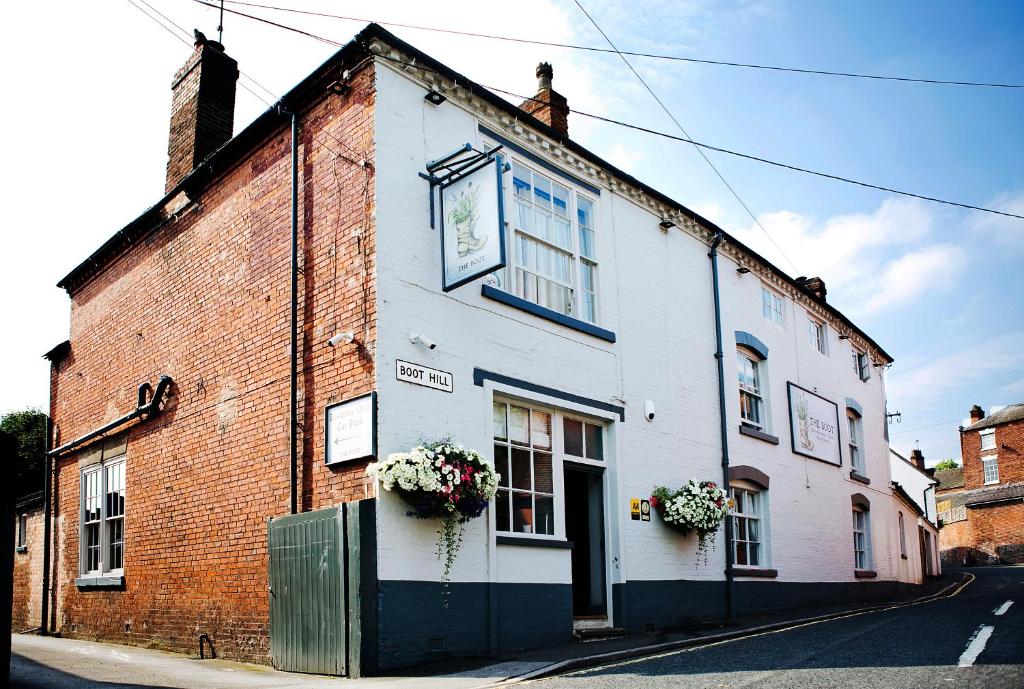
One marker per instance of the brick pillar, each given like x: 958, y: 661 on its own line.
x: 548, y: 106
x: 202, y: 109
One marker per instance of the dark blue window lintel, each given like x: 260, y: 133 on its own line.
x: 504, y: 297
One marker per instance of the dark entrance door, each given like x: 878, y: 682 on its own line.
x: 584, y: 526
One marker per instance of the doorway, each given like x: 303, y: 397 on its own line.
x: 584, y: 526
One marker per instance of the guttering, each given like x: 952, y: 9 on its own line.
x: 44, y: 611
x: 144, y: 410
x: 720, y: 355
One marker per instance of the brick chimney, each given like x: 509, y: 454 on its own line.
x: 816, y: 286
x: 917, y: 457
x: 202, y: 108
x: 977, y: 414
x: 548, y: 106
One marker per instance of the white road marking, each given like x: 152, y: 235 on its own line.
x: 975, y: 646
x: 1001, y: 610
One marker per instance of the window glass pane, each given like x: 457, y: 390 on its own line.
x: 542, y: 477
x: 542, y: 225
x: 587, y: 243
x: 741, y: 554
x: 115, y: 537
x: 561, y: 233
x: 502, y: 511
x: 521, y: 469
x: 595, y: 442
x: 519, y: 425
x: 585, y: 212
x: 92, y: 547
x: 115, y: 490
x: 588, y: 307
x: 739, y: 496
x: 501, y: 463
x: 541, y: 430
x: 521, y: 180
x: 755, y: 558
x: 500, y: 425
x: 545, y: 517
x: 573, y: 440
x: 541, y: 191
x: 523, y: 213
x: 587, y: 276
x: 561, y: 200
x: 522, y: 512
x: 741, y: 530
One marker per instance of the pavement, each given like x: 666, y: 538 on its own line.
x: 921, y: 644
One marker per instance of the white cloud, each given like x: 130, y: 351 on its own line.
x: 906, y: 278
x: 624, y: 157
x: 981, y: 366
x: 1008, y: 233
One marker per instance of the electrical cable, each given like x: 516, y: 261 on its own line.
x: 594, y: 49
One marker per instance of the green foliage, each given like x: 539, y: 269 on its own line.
x: 28, y: 428
x: 947, y: 464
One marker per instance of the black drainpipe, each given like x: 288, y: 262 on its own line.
x: 44, y: 613
x: 720, y: 355
x: 293, y: 421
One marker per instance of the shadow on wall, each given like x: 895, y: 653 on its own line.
x: 1010, y: 554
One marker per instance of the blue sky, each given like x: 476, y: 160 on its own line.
x: 939, y: 288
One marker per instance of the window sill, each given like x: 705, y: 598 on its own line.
x: 760, y: 435
x: 504, y: 297
x: 991, y: 483
x: 759, y: 572
x: 860, y: 479
x: 533, y: 542
x: 21, y: 549
x: 865, y: 573
x: 94, y: 582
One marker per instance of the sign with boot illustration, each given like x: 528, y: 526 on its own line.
x: 472, y: 225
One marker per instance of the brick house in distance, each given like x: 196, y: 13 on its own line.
x: 982, y: 503
x: 296, y: 306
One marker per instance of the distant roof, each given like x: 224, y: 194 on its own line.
x: 984, y: 496
x: 1013, y: 412
x: 950, y: 478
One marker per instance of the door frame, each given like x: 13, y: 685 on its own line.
x: 569, y: 465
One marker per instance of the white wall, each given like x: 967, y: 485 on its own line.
x: 655, y: 292
x: 915, y: 482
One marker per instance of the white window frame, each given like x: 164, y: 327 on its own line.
x: 760, y: 516
x: 989, y: 435
x: 22, y: 541
x: 100, y: 470
x: 862, y: 555
x: 817, y: 332
x: 990, y: 469
x: 855, y: 444
x: 773, y: 306
x: 507, y: 278
x: 558, y: 458
x: 757, y: 392
x: 903, y: 536
x: 861, y: 365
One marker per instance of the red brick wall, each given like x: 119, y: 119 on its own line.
x: 990, y: 535
x: 28, y: 572
x: 1009, y: 448
x: 205, y: 299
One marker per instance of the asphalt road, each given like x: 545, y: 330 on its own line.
x: 918, y: 646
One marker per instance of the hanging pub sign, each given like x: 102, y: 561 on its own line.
x: 351, y: 429
x: 814, y: 425
x: 471, y: 213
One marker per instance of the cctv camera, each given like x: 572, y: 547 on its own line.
x: 341, y: 338
x: 649, y: 410
x: 423, y: 340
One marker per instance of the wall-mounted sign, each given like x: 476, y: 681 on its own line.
x: 645, y: 510
x: 814, y: 425
x: 351, y: 430
x: 425, y: 376
x: 472, y: 225
x: 634, y: 509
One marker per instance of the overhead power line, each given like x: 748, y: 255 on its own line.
x: 687, y: 135
x: 627, y: 125
x: 594, y: 49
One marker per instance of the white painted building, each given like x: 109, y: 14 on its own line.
x: 916, y: 516
x: 606, y: 312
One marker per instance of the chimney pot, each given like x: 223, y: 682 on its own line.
x: 977, y: 414
x: 202, y: 108
x: 917, y: 457
x: 548, y: 106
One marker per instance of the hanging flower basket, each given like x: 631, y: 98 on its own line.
x: 699, y: 506
x: 440, y: 480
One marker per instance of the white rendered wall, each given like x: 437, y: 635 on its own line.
x: 915, y: 482
x: 655, y: 294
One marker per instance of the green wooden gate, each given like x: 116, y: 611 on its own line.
x: 307, y: 592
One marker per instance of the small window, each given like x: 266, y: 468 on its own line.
x: 102, y: 514
x: 751, y: 396
x: 988, y: 439
x: 582, y: 439
x: 747, y: 531
x: 22, y: 530
x: 903, y: 537
x: 525, y: 502
x: 816, y: 333
x: 990, y: 465
x: 861, y: 539
x: 853, y: 423
x: 771, y: 306
x: 861, y: 365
